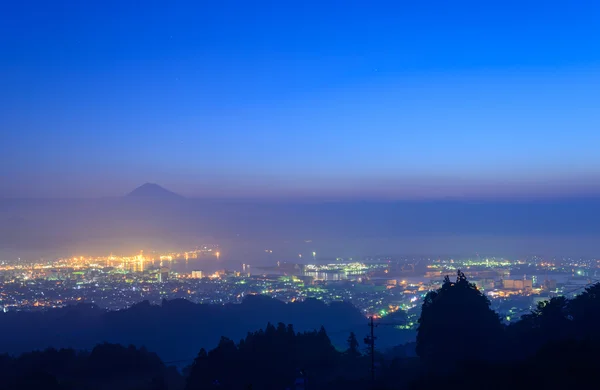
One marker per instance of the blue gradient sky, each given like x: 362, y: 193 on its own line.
x: 300, y: 98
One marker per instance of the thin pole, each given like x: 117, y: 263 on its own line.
x: 372, y: 350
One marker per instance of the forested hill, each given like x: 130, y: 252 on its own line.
x: 176, y: 329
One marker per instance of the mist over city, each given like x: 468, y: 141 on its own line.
x: 299, y: 195
x: 152, y: 218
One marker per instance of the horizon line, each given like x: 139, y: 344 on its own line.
x: 328, y: 199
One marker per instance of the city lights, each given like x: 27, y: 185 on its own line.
x: 377, y: 286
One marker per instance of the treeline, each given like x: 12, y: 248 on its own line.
x: 457, y: 324
x: 461, y: 342
x: 175, y: 330
x: 107, y: 366
x: 266, y: 359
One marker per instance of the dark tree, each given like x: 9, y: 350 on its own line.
x: 353, y: 346
x: 38, y: 380
x: 457, y: 323
x: 269, y: 359
x: 549, y: 321
x: 585, y: 313
x: 106, y: 366
x: 198, y: 372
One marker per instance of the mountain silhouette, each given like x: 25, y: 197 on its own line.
x: 151, y: 190
x: 84, y: 325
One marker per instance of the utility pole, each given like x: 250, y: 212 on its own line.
x: 372, y: 351
x: 370, y: 340
x: 304, y: 377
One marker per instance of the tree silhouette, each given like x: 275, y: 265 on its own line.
x: 549, y: 321
x: 198, y: 371
x: 106, y: 366
x: 38, y: 380
x: 457, y: 323
x: 584, y: 310
x: 269, y: 359
x: 353, y: 346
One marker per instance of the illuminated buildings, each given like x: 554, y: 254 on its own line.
x: 372, y: 285
x: 163, y: 275
x: 517, y: 284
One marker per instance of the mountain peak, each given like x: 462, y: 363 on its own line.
x: 151, y: 190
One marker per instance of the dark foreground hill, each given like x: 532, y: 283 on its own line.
x: 458, y: 345
x: 177, y: 329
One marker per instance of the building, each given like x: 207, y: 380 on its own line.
x: 517, y: 284
x: 196, y: 274
x: 163, y: 275
x: 550, y: 284
x: 485, y: 284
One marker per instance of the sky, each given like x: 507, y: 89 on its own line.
x: 338, y: 99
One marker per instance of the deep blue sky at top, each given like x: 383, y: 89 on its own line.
x: 300, y: 98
